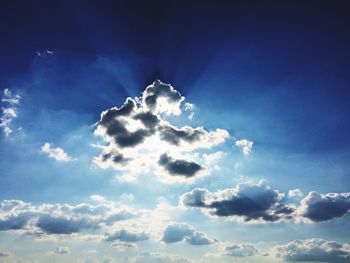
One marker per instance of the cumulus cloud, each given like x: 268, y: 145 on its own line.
x: 61, y: 251
x: 321, y: 207
x: 127, y: 236
x: 178, y: 232
x: 239, y: 250
x: 60, y: 219
x: 245, y: 145
x: 55, y: 153
x: 9, y: 111
x: 140, y: 139
x: 313, y: 250
x: 249, y: 201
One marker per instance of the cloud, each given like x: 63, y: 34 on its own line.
x: 295, y: 193
x: 321, y: 207
x: 138, y: 136
x: 313, y: 250
x: 61, y: 251
x: 239, y: 250
x: 55, y: 153
x: 178, y: 232
x: 162, y: 98
x: 245, y: 145
x: 127, y: 236
x: 60, y: 219
x: 179, y: 167
x: 160, y: 258
x: 191, y: 108
x: 9, y: 112
x: 248, y: 201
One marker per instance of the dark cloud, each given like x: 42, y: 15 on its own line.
x: 63, y: 225
x: 127, y: 236
x: 178, y: 232
x: 179, y: 167
x: 313, y: 250
x: 174, y: 135
x: 247, y: 200
x: 115, y: 126
x: 321, y: 207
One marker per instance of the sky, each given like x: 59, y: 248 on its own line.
x: 174, y: 131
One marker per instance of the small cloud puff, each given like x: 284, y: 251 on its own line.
x: 127, y: 236
x: 61, y: 251
x: 239, y: 250
x: 55, y: 153
x: 245, y: 145
x: 178, y: 232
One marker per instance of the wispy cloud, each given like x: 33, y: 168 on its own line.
x: 9, y: 111
x: 55, y: 153
x: 245, y: 145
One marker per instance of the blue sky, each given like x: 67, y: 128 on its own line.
x: 174, y: 131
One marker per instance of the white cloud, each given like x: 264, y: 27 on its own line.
x: 238, y: 250
x: 191, y: 108
x: 313, y: 250
x: 245, y: 145
x: 295, y: 193
x: 55, y: 153
x: 178, y: 232
x: 9, y: 112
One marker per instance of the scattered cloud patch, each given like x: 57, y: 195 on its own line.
x: 61, y: 251
x: 191, y: 108
x: 127, y: 236
x: 245, y: 145
x: 9, y: 110
x: 55, y: 153
x: 295, y: 193
x: 313, y: 250
x: 239, y: 250
x: 178, y: 232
